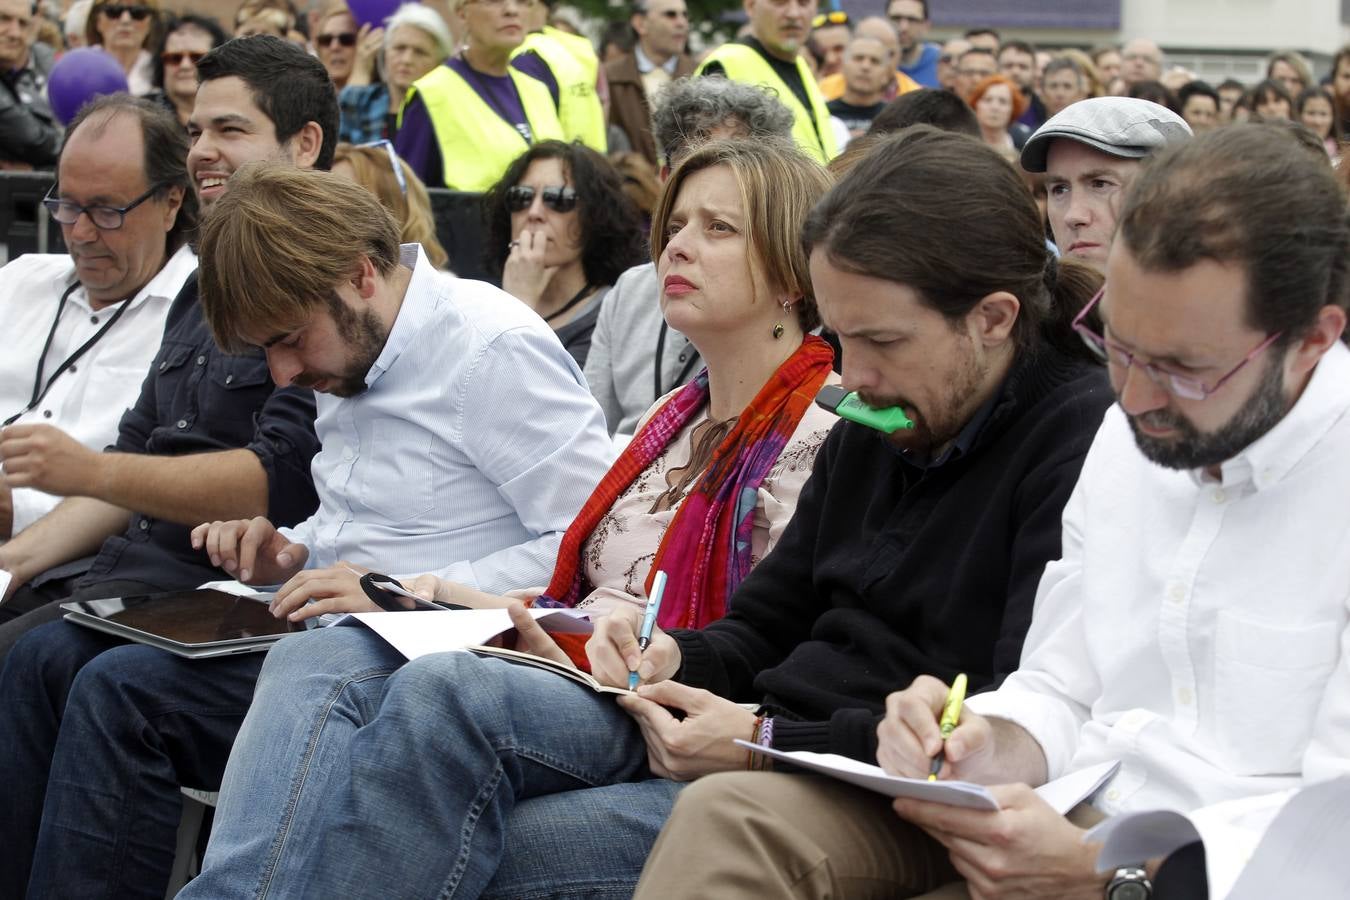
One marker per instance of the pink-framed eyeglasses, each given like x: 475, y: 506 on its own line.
x: 1178, y: 385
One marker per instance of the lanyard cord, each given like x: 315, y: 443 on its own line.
x: 39, y: 389
x: 576, y: 298
x: 685, y: 372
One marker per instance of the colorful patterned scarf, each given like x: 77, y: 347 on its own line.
x: 705, y: 551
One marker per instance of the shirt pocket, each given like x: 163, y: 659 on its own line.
x: 397, y: 479
x: 233, y: 393
x: 1269, y: 681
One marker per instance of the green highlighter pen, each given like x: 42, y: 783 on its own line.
x: 847, y: 405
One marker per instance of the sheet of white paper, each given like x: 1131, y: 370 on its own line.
x: 1300, y: 853
x: 418, y: 632
x: 1063, y: 793
x: 5, y: 578
x: 238, y: 588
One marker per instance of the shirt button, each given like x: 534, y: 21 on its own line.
x: 144, y: 525
x: 683, y: 357
x: 181, y: 423
x: 73, y: 370
x: 1219, y: 495
x: 1113, y: 794
x: 1176, y: 593
x: 201, y: 360
x: 93, y: 319
x: 1185, y: 697
x: 229, y: 379
x: 164, y: 365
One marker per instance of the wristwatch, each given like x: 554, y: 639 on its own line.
x: 1129, y: 883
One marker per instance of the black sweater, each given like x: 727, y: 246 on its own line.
x: 888, y: 571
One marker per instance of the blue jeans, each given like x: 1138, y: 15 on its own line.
x: 96, y: 736
x: 449, y: 776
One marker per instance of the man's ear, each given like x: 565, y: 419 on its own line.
x: 173, y: 205
x: 364, y: 278
x: 993, y: 318
x: 1306, y: 352
x: 306, y: 144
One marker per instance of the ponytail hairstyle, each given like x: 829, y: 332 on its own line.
x: 949, y: 217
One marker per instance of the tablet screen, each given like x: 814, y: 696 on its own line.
x: 195, y: 617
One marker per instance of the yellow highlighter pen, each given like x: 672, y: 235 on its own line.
x: 951, y: 714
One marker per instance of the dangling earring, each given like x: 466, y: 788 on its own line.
x: 778, y: 329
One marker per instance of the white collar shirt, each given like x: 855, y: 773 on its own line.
x: 88, y: 399
x: 470, y: 452
x: 1196, y: 629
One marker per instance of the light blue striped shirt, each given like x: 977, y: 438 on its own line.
x: 471, y: 451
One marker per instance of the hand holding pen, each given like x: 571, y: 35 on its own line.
x: 616, y: 651
x: 926, y: 733
x: 648, y: 623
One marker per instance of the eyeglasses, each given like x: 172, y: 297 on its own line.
x: 393, y: 162
x: 833, y: 17
x: 1181, y: 386
x: 116, y: 10
x: 559, y: 199
x: 105, y: 218
x: 172, y: 60
x: 346, y: 39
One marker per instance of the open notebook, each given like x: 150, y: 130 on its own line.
x: 1063, y: 793
x: 486, y: 632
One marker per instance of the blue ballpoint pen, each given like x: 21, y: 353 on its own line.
x: 649, y: 620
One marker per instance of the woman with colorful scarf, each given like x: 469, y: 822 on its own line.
x: 702, y: 491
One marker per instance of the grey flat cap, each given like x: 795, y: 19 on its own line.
x: 1118, y: 126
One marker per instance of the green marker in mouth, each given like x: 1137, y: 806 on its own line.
x: 847, y: 405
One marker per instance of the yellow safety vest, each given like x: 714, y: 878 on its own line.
x: 476, y: 143
x: 743, y: 63
x: 579, y: 47
x: 579, y: 109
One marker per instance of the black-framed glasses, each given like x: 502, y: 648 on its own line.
x: 558, y: 198
x: 172, y: 60
x: 1182, y: 386
x: 346, y: 39
x: 833, y: 17
x: 388, y: 146
x: 105, y: 218
x: 117, y: 10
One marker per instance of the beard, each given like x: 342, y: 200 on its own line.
x: 938, y: 426
x: 1195, y: 449
x: 365, y: 337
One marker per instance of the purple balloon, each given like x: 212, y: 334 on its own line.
x: 372, y: 12
x: 79, y: 76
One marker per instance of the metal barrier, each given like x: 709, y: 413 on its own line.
x: 25, y: 226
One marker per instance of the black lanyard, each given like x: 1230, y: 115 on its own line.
x: 39, y: 389
x: 685, y: 372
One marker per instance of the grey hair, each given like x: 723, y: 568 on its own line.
x: 688, y: 109
x: 419, y: 16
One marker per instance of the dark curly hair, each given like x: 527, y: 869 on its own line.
x: 611, y: 226
x: 202, y: 23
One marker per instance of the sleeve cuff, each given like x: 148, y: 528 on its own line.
x: 1047, y: 720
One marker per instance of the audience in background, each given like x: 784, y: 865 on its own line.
x: 986, y: 39
x: 830, y: 34
x: 880, y: 29
x: 1140, y: 60
x: 1269, y: 100
x: 1063, y: 82
x: 1107, y: 60
x: 335, y: 41
x: 866, y: 76
x: 30, y: 135
x: 656, y: 58
x: 616, y: 40
x: 1340, y: 86
x: 127, y: 31
x: 413, y: 41
x: 918, y: 57
x: 1316, y: 108
x: 1096, y: 86
x: 941, y: 109
x: 947, y: 62
x: 186, y: 40
x: 559, y: 232
x: 1017, y: 60
x: 73, y: 24
x: 1199, y: 105
x: 1231, y: 91
x: 379, y: 170
x: 1290, y: 69
x: 975, y: 65
x: 998, y: 103
x: 1153, y: 92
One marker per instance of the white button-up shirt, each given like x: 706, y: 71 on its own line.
x: 471, y: 451
x: 88, y: 399
x: 1197, y: 629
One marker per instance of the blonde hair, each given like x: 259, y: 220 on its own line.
x: 778, y: 186
x: 1095, y: 88
x: 92, y: 37
x: 371, y: 166
x: 279, y: 242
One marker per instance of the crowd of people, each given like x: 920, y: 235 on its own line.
x: 1110, y: 298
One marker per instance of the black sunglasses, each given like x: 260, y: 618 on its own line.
x: 559, y: 199
x: 115, y: 11
x: 346, y: 39
x: 171, y: 60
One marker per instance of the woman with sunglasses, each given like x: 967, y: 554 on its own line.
x: 186, y: 40
x: 335, y: 42
x: 726, y: 239
x: 126, y: 30
x: 378, y: 169
x: 560, y: 229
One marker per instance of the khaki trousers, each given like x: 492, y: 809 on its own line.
x: 768, y: 834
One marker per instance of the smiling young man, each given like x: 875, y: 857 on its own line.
x: 1193, y: 629
x: 1090, y: 152
x: 770, y: 57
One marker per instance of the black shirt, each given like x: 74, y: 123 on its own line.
x: 197, y: 399
x: 856, y: 119
x: 785, y: 70
x: 889, y: 570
